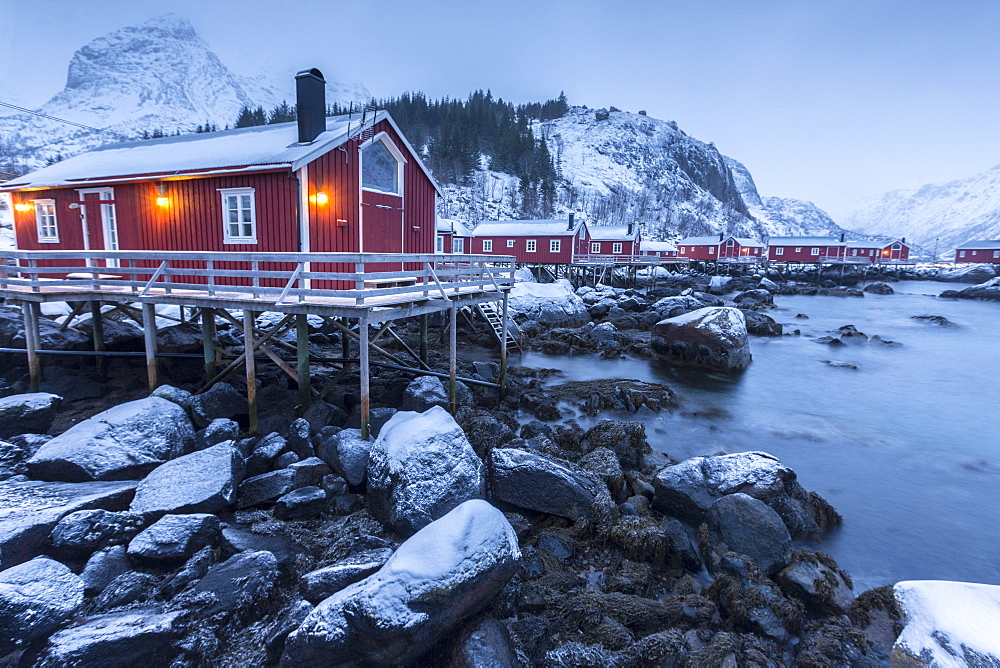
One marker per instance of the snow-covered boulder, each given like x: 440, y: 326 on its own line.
x: 948, y: 624
x: 132, y: 638
x: 719, y: 285
x: 988, y: 291
x: 421, y: 467
x: 552, y: 304
x: 969, y: 273
x: 27, y: 413
x: 714, y: 337
x: 201, y: 482
x: 422, y: 393
x: 669, y: 307
x: 769, y: 285
x: 124, y: 442
x: 879, y: 289
x: 529, y: 480
x: 36, y: 598
x: 444, y: 574
x: 524, y: 275
x: 327, y: 581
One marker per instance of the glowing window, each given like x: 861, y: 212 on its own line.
x: 239, y: 215
x: 45, y: 216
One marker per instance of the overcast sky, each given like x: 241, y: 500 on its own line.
x: 827, y: 101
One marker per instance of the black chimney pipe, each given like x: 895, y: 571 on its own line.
x: 720, y: 236
x: 310, y: 104
x: 841, y: 237
x: 630, y: 227
x: 570, y: 228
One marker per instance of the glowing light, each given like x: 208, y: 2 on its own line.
x: 320, y: 198
x: 162, y: 201
x: 22, y: 207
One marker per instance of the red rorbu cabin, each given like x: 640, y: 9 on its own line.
x: 614, y: 241
x: 699, y: 248
x: 806, y: 249
x: 533, y: 241
x: 316, y: 185
x: 741, y: 248
x: 659, y: 249
x: 979, y: 251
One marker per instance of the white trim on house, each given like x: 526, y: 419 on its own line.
x: 595, y: 247
x: 487, y: 245
x: 530, y: 245
x: 555, y: 245
x: 46, y: 222
x: 616, y: 247
x: 510, y: 243
x: 240, y: 238
x: 395, y: 152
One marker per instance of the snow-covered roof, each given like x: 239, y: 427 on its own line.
x: 805, y: 241
x: 612, y: 232
x: 453, y: 226
x: 980, y: 243
x: 865, y: 244
x: 658, y: 246
x: 700, y: 241
x: 528, y: 228
x: 747, y: 242
x: 259, y: 148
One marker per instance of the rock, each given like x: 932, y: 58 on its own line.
x: 300, y: 504
x: 484, y: 430
x: 217, y: 431
x: 264, y: 453
x: 287, y: 621
x: 934, y: 319
x: 948, y: 624
x: 347, y: 454
x: 128, y: 588
x: 124, y: 442
x: 816, y: 580
x: 285, y: 460
x: 194, y: 569
x: 220, y: 401
x: 309, y: 472
x: 840, y: 365
x: 535, y: 428
x: 327, y: 581
x: 441, y: 576
x: 848, y: 332
x: 760, y: 324
x: 758, y: 296
x: 377, y: 417
x: 714, y: 337
x: 423, y: 393
x: 529, y: 480
x: 51, y: 337
x: 103, y: 567
x: 604, y: 465
x: 750, y: 527
x: 36, y: 598
x: 27, y: 413
x: 769, y: 285
x: 82, y: 533
x: 236, y: 539
x: 299, y: 438
x: 172, y: 539
x: 551, y: 304
x: 602, y: 308
x: 265, y: 487
x: 178, y: 396
x: 879, y: 289
x: 29, y: 510
x: 970, y: 273
x: 181, y: 338
x: 484, y: 643
x: 201, y: 482
x: 718, y: 285
x: 135, y: 637
x: 421, y: 467
x: 238, y: 586
x: 626, y: 439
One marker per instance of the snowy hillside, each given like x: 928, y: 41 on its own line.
x: 159, y: 74
x: 945, y: 214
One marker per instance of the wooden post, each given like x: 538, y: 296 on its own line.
x: 502, y: 379
x: 149, y: 335
x: 363, y: 357
x: 248, y: 321
x: 423, y: 338
x: 97, y: 322
x: 345, y: 341
x: 208, y: 341
x: 453, y: 358
x: 302, y: 352
x: 30, y: 312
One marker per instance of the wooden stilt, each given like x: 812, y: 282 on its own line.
x: 423, y: 338
x: 248, y: 346
x: 97, y: 324
x: 345, y: 341
x: 208, y: 342
x: 149, y: 336
x: 502, y: 379
x: 365, y: 377
x: 302, y: 353
x: 31, y: 343
x: 453, y: 358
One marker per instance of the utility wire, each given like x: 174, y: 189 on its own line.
x: 51, y: 118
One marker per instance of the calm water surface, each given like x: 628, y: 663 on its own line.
x: 906, y: 447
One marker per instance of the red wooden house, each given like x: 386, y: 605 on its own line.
x: 979, y: 251
x: 877, y: 251
x: 560, y: 241
x: 742, y: 248
x: 614, y: 241
x: 660, y: 249
x: 699, y: 248
x: 317, y: 185
x: 806, y: 249
x: 453, y: 236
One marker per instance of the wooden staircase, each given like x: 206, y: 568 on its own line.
x: 491, y: 313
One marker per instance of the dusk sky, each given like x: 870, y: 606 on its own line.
x: 824, y: 101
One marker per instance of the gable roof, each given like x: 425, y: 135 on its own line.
x: 976, y: 244
x: 658, y: 246
x: 453, y: 226
x: 805, y: 241
x: 259, y: 148
x: 612, y: 232
x: 558, y: 227
x: 700, y: 241
x: 747, y: 242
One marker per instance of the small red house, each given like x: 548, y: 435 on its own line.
x: 806, y: 249
x: 742, y: 248
x: 453, y: 236
x: 699, y: 248
x: 560, y: 241
x: 979, y: 251
x: 316, y: 185
x: 877, y: 251
x: 660, y: 249
x: 617, y: 241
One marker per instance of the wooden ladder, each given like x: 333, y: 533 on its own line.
x: 490, y: 311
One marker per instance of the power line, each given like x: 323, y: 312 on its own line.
x: 51, y: 118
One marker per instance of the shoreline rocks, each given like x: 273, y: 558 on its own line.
x: 714, y: 337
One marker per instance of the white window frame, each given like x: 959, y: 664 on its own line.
x: 798, y: 249
x: 996, y: 254
x: 439, y: 244
x: 814, y: 251
x: 780, y: 250
x: 595, y: 247
x: 510, y: 243
x: 555, y: 245
x: 45, y: 237
x: 730, y: 243
x: 897, y: 247
x: 487, y: 245
x: 961, y: 253
x: 238, y: 192
x: 530, y: 246
x: 616, y: 248
x: 974, y: 252
x: 396, y: 153
x: 711, y: 250
x: 457, y: 245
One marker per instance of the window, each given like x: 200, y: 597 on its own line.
x: 729, y: 243
x: 814, y: 251
x: 996, y: 254
x: 974, y: 252
x: 510, y: 243
x: 458, y: 245
x: 616, y: 248
x: 529, y: 246
x: 779, y: 251
x: 711, y: 250
x: 595, y: 247
x: 555, y: 245
x: 487, y: 245
x: 439, y: 247
x: 961, y: 253
x: 45, y: 216
x: 381, y: 167
x: 239, y: 216
x: 896, y: 247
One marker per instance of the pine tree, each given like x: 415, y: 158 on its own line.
x: 283, y: 113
